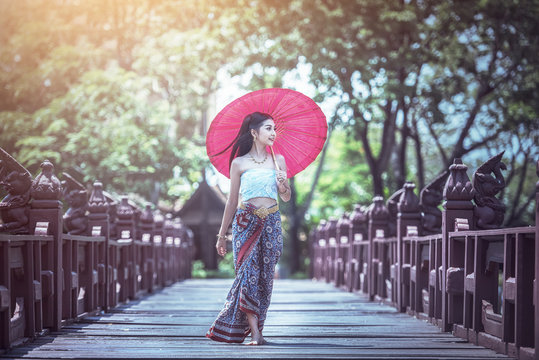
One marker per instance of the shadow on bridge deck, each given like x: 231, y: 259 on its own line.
x: 305, y: 320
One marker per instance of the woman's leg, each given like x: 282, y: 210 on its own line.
x: 256, y: 335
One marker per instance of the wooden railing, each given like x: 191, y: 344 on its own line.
x: 453, y: 268
x: 50, y: 277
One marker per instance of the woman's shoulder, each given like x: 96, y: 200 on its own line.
x: 239, y: 164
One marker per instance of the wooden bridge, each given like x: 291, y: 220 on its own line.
x: 306, y: 320
x: 107, y: 279
x: 458, y: 268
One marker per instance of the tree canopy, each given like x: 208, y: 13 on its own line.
x: 120, y: 91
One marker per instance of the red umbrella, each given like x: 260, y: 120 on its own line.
x: 299, y: 123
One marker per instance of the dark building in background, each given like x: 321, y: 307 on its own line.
x: 202, y: 213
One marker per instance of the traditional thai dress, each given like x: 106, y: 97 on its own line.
x: 257, y: 243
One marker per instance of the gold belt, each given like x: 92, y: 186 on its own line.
x: 261, y: 212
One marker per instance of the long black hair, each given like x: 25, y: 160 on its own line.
x: 243, y: 142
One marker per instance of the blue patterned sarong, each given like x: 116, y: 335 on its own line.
x: 257, y: 244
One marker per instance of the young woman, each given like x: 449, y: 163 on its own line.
x: 256, y: 230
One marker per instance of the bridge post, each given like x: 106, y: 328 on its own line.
x: 126, y: 231
x: 458, y: 193
x: 310, y: 249
x: 182, y: 253
x: 46, y: 212
x: 319, y: 250
x: 343, y: 249
x: 359, y: 248
x: 98, y: 223
x: 147, y: 233
x: 168, y: 231
x: 159, y: 222
x: 378, y: 228
x: 408, y: 215
x: 331, y: 245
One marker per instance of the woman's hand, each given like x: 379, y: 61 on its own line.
x: 280, y: 176
x: 221, y: 246
x: 283, y: 188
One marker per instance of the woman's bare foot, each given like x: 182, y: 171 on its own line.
x: 256, y: 340
x: 256, y: 335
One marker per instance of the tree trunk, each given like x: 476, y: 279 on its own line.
x: 296, y: 217
x: 378, y: 165
x: 296, y: 212
x: 418, y: 156
x: 377, y: 181
x: 401, y: 156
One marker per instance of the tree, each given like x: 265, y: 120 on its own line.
x: 112, y: 90
x: 408, y: 73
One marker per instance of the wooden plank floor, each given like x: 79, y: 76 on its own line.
x: 306, y: 320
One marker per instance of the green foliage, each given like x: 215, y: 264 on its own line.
x: 299, y: 276
x: 417, y: 83
x: 226, y: 266
x: 225, y: 269
x: 113, y: 91
x: 117, y: 91
x: 345, y: 180
x: 107, y: 125
x: 197, y: 270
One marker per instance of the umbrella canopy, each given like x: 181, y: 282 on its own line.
x: 300, y: 125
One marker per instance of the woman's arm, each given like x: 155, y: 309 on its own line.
x: 230, y: 207
x: 282, y: 182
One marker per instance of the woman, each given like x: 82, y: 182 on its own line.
x: 256, y: 230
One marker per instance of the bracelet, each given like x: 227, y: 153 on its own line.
x: 221, y: 236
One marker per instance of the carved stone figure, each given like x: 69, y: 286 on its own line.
x: 429, y: 199
x: 489, y: 211
x: 46, y: 185
x: 125, y: 212
x: 147, y: 215
x: 359, y: 221
x: 113, y: 216
x: 343, y: 227
x: 458, y: 190
x: 377, y: 210
x: 179, y: 230
x: 146, y: 223
x: 97, y: 203
x: 332, y: 230
x: 393, y: 210
x: 408, y: 201
x: 320, y: 231
x: 14, y: 206
x: 75, y: 194
x: 168, y: 227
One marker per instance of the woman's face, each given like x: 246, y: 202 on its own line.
x: 266, y: 133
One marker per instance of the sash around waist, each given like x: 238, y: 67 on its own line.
x: 262, y: 212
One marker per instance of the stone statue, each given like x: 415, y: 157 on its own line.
x: 113, y: 216
x: 377, y: 210
x: 14, y: 206
x: 429, y: 199
x: 359, y: 221
x: 46, y: 185
x: 75, y: 194
x: 97, y: 203
x: 392, y: 208
x: 489, y: 211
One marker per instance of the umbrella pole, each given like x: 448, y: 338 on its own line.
x: 274, y: 160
